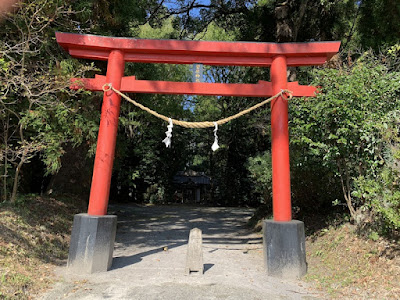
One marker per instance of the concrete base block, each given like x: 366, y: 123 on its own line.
x: 92, y: 243
x: 284, y: 249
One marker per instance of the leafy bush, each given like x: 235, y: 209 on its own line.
x: 381, y: 193
x: 349, y: 131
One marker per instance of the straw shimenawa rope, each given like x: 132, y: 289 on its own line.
x: 205, y: 124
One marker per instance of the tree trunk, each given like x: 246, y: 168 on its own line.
x: 345, y: 181
x: 19, y: 166
x: 286, y: 28
x: 299, y: 20
x: 5, y: 158
x: 284, y: 32
x: 16, y: 178
x: 5, y: 176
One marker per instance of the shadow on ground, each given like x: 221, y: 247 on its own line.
x: 165, y: 228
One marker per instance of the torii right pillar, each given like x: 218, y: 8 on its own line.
x: 284, y: 238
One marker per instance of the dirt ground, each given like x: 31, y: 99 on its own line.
x: 150, y: 256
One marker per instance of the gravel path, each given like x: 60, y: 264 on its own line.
x: 150, y: 255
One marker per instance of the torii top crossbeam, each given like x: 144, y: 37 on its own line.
x: 189, y: 52
x: 117, y: 51
x: 201, y: 52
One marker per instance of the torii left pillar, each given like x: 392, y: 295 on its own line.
x: 93, y: 234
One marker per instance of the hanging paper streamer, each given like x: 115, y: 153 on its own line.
x: 167, y: 140
x: 215, y: 146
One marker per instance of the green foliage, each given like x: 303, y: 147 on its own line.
x: 115, y: 18
x: 346, y: 129
x: 260, y: 171
x: 164, y: 31
x: 394, y: 51
x: 155, y: 194
x: 3, y: 64
x: 377, y: 20
x: 381, y: 193
x: 213, y: 32
x: 373, y: 236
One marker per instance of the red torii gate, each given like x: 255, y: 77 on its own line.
x: 117, y: 51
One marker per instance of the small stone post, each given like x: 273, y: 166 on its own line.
x: 194, y: 258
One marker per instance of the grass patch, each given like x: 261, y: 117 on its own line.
x: 345, y: 265
x: 34, y: 237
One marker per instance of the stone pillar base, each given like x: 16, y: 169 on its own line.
x: 284, y: 249
x: 92, y: 243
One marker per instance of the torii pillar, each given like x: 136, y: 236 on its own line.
x: 93, y: 234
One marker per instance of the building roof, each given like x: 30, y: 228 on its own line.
x: 191, y: 177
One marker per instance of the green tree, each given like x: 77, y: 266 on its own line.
x: 37, y: 113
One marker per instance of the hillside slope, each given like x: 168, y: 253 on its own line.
x: 34, y: 237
